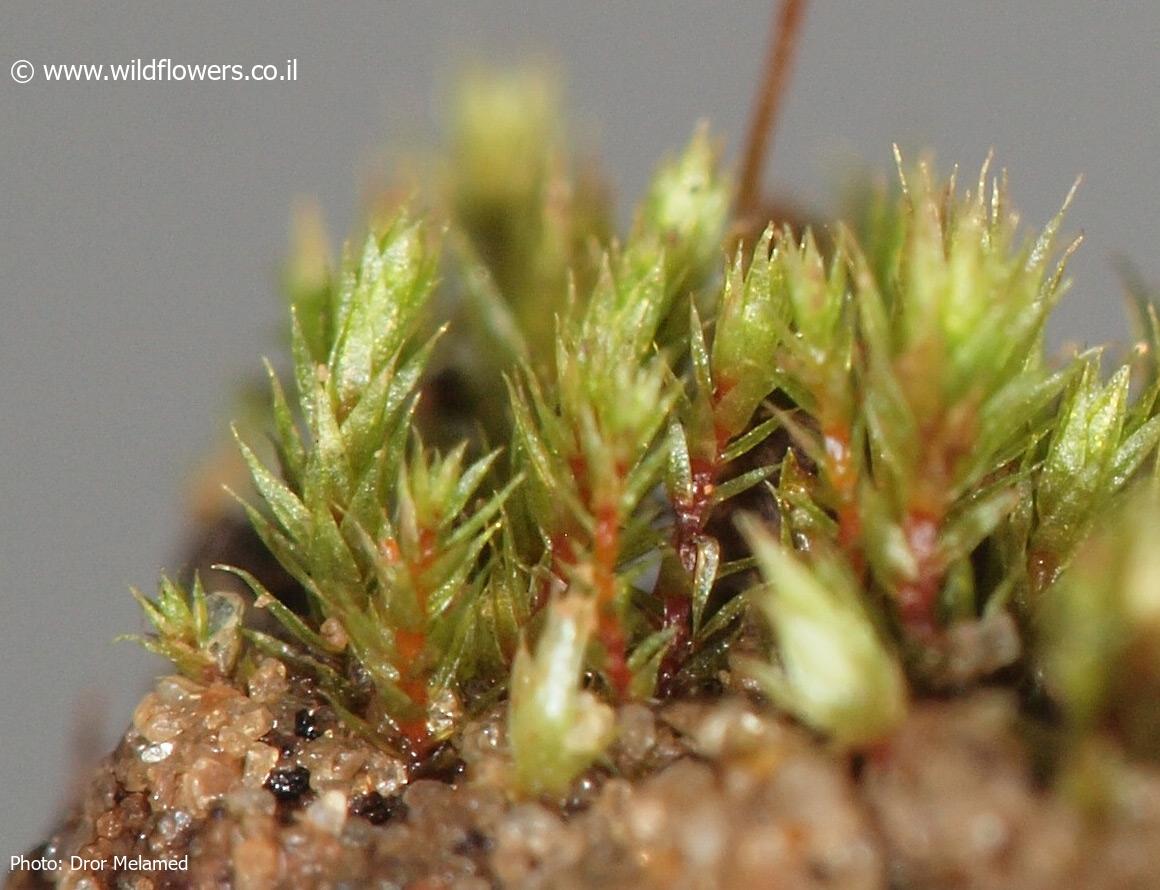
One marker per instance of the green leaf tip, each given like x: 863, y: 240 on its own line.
x: 556, y: 728
x: 833, y: 669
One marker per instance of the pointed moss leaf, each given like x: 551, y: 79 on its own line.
x: 739, y: 484
x: 444, y: 594
x: 643, y: 478
x: 835, y: 672
x: 1039, y: 255
x: 1002, y: 595
x: 291, y: 451
x: 385, y: 678
x: 801, y: 515
x: 305, y: 369
x: 816, y: 294
x: 686, y: 209
x: 290, y: 512
x: 1133, y: 452
x: 872, y: 314
x: 172, y: 605
x: 802, y: 436
x: 290, y: 555
x: 645, y: 662
x: 328, y: 553
x: 731, y: 610
x: 699, y: 352
x: 680, y: 469
x: 364, y: 427
x: 199, y: 633
x: 405, y: 380
x: 735, y: 566
x: 1025, y: 398
x: 289, y: 619
x: 966, y: 530
x: 308, y: 278
x: 156, y: 617
x: 745, y: 443
x: 534, y: 448
x: 704, y: 575
x: 187, y: 662
x: 200, y: 611
x: 1081, y: 451
x: 490, y: 311
x: 891, y: 426
x: 328, y: 474
x: 483, y: 515
x: 957, y: 597
x: 462, y: 632
x: 749, y: 328
x: 627, y: 308
x: 468, y: 482
x: 392, y: 283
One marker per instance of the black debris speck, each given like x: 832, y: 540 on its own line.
x: 288, y: 783
x: 377, y: 809
x: 308, y: 724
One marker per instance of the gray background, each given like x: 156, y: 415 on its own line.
x: 141, y: 225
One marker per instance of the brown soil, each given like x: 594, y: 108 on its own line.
x: 263, y: 788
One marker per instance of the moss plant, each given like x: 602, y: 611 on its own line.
x: 869, y: 404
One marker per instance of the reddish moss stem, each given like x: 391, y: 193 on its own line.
x: 786, y: 31
x: 605, y: 554
x: 692, y: 515
x: 606, y: 546
x: 918, y: 599
x: 411, y: 645
x: 842, y: 474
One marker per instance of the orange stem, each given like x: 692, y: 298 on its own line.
x: 784, y: 37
